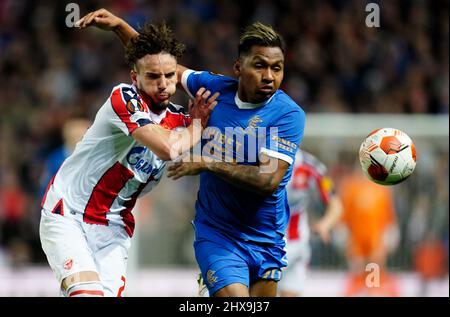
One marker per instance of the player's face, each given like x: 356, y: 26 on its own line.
x: 260, y: 73
x: 156, y: 78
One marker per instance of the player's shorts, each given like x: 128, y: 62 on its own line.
x: 73, y: 246
x: 224, y: 260
x: 294, y: 275
x: 366, y: 246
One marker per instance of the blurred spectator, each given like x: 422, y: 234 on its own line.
x: 15, y: 224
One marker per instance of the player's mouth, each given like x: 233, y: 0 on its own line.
x: 162, y: 96
x: 266, y: 89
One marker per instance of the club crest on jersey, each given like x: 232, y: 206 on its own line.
x: 134, y: 105
x: 68, y: 264
x: 254, y: 121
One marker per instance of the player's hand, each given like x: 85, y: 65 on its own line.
x: 180, y: 169
x: 102, y: 19
x: 202, y: 105
x: 323, y: 230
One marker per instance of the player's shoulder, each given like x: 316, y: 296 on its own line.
x: 284, y: 110
x: 215, y: 80
x: 288, y: 105
x: 125, y: 98
x: 127, y: 91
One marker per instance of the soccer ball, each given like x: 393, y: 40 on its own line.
x: 387, y: 156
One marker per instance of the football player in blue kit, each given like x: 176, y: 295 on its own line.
x: 247, y: 155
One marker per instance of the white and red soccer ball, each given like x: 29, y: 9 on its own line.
x: 387, y: 156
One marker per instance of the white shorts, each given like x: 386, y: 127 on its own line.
x: 73, y: 246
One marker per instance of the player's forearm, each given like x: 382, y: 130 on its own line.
x: 333, y: 212
x: 182, y: 141
x: 247, y: 177
x: 125, y: 32
x: 168, y: 144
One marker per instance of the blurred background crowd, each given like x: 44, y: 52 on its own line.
x: 50, y: 73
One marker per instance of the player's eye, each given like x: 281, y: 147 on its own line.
x: 170, y: 75
x: 152, y: 76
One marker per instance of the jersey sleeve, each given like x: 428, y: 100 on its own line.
x: 325, y: 186
x: 192, y: 81
x: 284, y: 137
x: 131, y: 113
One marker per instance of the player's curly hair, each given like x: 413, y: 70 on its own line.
x: 259, y: 34
x: 153, y: 39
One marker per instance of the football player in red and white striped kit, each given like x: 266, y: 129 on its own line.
x: 86, y: 221
x: 309, y: 187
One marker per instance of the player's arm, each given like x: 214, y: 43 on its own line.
x: 332, y: 215
x: 263, y: 179
x: 169, y: 144
x: 105, y: 20
x: 333, y: 203
x: 273, y: 162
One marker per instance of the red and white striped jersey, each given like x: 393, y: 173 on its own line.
x: 109, y: 170
x: 308, y: 188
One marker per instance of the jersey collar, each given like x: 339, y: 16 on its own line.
x: 155, y: 117
x: 248, y: 105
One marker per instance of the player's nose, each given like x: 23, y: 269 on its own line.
x: 162, y: 84
x: 268, y: 75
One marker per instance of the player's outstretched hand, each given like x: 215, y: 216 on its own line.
x: 202, y: 105
x: 323, y: 230
x: 101, y: 18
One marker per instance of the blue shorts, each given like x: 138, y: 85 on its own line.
x: 224, y: 260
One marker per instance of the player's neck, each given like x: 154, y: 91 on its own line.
x: 155, y: 108
x: 243, y: 97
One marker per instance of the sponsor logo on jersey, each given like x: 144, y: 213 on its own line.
x: 136, y: 159
x: 212, y: 279
x: 134, y: 105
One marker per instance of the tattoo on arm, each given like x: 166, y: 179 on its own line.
x: 247, y: 177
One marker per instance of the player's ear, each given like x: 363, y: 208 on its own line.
x: 133, y: 75
x: 237, y: 67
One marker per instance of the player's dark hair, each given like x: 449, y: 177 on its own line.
x: 261, y: 35
x: 153, y: 39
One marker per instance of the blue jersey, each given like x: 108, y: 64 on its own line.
x: 240, y: 131
x: 51, y: 166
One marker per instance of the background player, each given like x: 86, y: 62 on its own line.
x: 309, y: 189
x: 369, y: 217
x: 86, y: 222
x: 72, y: 132
x: 241, y: 213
